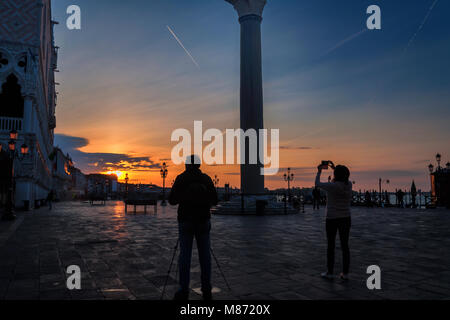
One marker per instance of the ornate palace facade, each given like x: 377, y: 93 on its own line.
x: 28, y: 59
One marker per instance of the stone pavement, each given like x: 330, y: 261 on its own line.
x: 273, y: 257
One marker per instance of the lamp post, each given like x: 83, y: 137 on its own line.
x: 164, y: 173
x: 431, y: 169
x: 9, y: 210
x: 289, y: 177
x: 126, y: 185
x: 216, y: 181
x: 380, y: 181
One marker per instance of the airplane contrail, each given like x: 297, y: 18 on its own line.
x: 184, y: 48
x: 341, y: 43
x: 421, y: 25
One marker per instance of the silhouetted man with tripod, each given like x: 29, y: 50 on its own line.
x: 195, y: 193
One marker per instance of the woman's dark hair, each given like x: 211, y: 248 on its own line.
x: 341, y: 173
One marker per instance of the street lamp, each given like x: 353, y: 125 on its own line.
x: 431, y: 169
x: 216, y: 181
x: 126, y: 185
x: 380, y: 181
x: 24, y: 149
x: 289, y: 177
x: 9, y: 210
x: 164, y: 173
x: 12, y: 145
x: 13, y: 135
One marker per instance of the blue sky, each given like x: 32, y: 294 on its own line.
x: 363, y: 98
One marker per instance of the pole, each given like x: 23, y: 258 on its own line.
x: 170, y: 268
x: 164, y: 189
x: 379, y: 195
x: 289, y: 189
x: 220, y: 269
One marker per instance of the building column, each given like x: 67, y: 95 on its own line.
x: 251, y: 91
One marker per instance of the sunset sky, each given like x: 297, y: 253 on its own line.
x: 376, y: 101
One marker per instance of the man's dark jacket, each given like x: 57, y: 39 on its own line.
x: 186, y: 210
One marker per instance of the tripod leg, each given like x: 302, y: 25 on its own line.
x: 177, y: 269
x: 220, y: 270
x: 170, y: 268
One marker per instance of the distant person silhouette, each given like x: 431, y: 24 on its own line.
x: 386, y: 197
x: 339, y: 197
x: 368, y: 199
x: 195, y: 193
x: 316, y: 198
x: 50, y: 198
x: 400, y: 195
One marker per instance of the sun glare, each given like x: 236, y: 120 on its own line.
x: 120, y: 174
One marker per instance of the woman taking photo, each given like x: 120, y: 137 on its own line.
x: 339, y: 196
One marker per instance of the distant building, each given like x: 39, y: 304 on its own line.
x: 62, y: 174
x: 79, y: 184
x: 28, y: 60
x: 102, y: 184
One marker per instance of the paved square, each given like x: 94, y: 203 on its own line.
x: 273, y: 257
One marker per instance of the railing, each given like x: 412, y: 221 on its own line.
x: 8, y: 124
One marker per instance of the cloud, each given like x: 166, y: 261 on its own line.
x: 68, y: 142
x: 100, y: 162
x: 422, y: 161
x: 295, y: 148
x: 232, y: 173
x: 386, y: 173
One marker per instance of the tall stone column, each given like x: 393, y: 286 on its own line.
x: 27, y: 124
x: 251, y: 110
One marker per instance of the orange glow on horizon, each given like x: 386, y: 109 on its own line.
x: 120, y: 174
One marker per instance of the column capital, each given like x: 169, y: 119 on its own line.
x: 29, y: 95
x: 248, y: 7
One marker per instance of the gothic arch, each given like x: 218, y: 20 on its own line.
x: 11, y: 99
